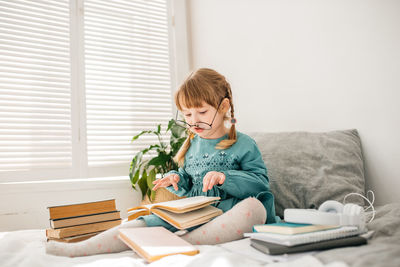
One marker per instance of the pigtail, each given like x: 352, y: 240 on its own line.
x: 232, y: 135
x: 180, y: 156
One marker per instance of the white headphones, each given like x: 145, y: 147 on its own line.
x: 332, y: 212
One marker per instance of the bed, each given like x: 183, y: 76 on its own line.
x: 305, y: 169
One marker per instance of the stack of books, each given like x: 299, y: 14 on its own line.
x: 77, y: 222
x: 285, y: 237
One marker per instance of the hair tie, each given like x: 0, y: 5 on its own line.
x: 233, y: 120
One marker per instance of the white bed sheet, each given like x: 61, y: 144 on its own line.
x: 27, y: 248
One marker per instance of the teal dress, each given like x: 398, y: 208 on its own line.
x: 244, y: 169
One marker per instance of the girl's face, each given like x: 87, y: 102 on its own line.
x: 206, y: 114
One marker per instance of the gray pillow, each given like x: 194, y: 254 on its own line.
x: 305, y: 169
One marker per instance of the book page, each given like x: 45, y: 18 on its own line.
x: 188, y: 219
x: 134, y: 214
x: 185, y: 204
x: 141, y: 207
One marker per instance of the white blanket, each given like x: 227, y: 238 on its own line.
x: 27, y: 248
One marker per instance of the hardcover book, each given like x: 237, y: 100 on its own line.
x: 305, y: 238
x: 287, y: 228
x: 73, y: 239
x: 153, y: 243
x: 73, y: 210
x: 275, y: 249
x: 79, y: 220
x: 182, y: 213
x: 81, y: 229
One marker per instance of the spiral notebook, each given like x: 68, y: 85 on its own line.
x: 305, y: 238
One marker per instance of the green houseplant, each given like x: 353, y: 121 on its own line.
x: 143, y: 171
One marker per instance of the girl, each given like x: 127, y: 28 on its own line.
x: 214, y: 161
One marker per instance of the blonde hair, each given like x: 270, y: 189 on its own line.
x: 204, y: 85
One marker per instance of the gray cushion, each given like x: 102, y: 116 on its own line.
x: 305, y: 169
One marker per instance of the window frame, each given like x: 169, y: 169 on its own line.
x: 179, y: 67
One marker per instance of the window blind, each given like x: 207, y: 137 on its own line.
x: 124, y: 86
x: 35, y: 113
x: 127, y: 82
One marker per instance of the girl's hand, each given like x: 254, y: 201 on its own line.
x: 172, y: 179
x: 212, y: 178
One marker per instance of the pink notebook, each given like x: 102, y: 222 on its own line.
x: 153, y: 243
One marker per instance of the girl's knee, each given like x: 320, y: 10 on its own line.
x: 251, y: 202
x: 254, y: 206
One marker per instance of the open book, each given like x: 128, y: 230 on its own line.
x: 182, y: 213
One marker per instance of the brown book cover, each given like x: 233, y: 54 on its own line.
x: 153, y: 243
x: 81, y: 229
x: 181, y: 213
x: 79, y: 220
x: 73, y: 239
x: 137, y: 213
x: 64, y: 211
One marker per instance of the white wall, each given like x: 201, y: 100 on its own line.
x: 310, y: 65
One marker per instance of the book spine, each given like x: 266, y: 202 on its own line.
x: 274, y: 249
x: 81, y: 229
x: 82, y: 209
x: 80, y: 220
x: 73, y: 239
x: 304, y: 238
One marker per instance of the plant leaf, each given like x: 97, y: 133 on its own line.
x: 143, y: 183
x: 176, y: 145
x: 141, y: 133
x: 158, y: 131
x: 160, y: 160
x: 135, y: 178
x: 152, y: 195
x: 170, y: 124
x: 150, y: 178
x: 164, y: 146
x: 177, y: 131
x: 135, y: 165
x: 144, y: 151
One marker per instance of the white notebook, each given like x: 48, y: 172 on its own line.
x: 304, y: 238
